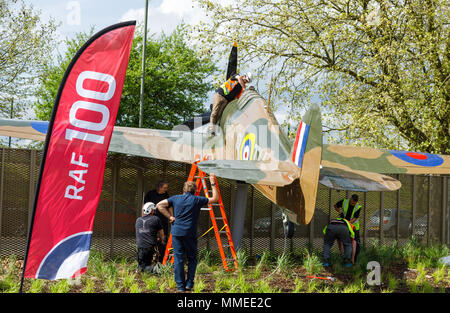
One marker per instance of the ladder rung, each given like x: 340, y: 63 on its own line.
x: 219, y: 218
x: 222, y: 232
x: 205, y: 209
x: 215, y: 204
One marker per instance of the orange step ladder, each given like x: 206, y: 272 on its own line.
x: 229, y: 263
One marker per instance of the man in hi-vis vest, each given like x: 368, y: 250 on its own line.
x: 341, y: 230
x: 227, y: 92
x: 350, y: 210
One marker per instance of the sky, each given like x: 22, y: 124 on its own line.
x: 80, y: 15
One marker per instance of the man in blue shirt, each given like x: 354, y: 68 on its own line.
x: 186, y: 208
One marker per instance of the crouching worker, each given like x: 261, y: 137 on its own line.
x: 341, y: 230
x: 149, y: 235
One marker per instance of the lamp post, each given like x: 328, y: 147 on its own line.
x: 141, y: 102
x: 11, y: 116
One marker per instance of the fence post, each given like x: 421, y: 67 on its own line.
x: 252, y: 221
x: 413, y: 222
x: 381, y: 218
x: 2, y: 174
x: 365, y: 218
x: 444, y: 197
x: 311, y: 233
x: 429, y: 211
x: 397, y: 228
x: 330, y: 204
x: 272, y: 227
x: 140, y: 188
x: 31, y: 189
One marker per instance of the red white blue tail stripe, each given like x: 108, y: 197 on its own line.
x: 300, y: 144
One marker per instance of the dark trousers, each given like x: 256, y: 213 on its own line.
x: 145, y: 257
x: 333, y: 232
x: 184, y: 246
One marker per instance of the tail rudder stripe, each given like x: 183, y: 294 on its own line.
x: 300, y: 143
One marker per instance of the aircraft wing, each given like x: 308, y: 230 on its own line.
x: 361, y: 168
x: 271, y: 173
x: 341, y: 179
x: 172, y: 145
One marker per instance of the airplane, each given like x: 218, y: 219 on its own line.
x: 250, y: 148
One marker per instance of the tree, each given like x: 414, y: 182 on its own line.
x: 176, y: 81
x: 381, y: 68
x: 25, y: 44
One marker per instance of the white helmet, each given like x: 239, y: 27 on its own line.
x: 148, y: 208
x: 249, y: 76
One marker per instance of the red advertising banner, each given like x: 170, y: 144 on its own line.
x: 71, y: 175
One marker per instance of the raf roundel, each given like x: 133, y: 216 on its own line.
x: 68, y: 258
x: 418, y: 158
x: 247, y: 146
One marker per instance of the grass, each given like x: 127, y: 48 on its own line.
x: 312, y: 263
x: 267, y: 273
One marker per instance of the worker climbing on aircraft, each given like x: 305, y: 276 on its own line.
x: 231, y: 89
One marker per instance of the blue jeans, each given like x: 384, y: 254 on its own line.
x: 184, y: 246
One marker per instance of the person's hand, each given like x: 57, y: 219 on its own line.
x: 172, y: 219
x: 242, y: 81
x: 212, y: 178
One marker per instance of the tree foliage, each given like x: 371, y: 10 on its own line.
x: 176, y: 81
x: 381, y: 68
x: 25, y: 44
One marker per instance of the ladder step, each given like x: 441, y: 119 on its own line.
x: 222, y: 232
x: 219, y: 218
x: 205, y: 209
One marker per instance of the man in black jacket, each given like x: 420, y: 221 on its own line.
x: 156, y: 195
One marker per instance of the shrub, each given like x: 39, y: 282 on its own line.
x: 37, y: 286
x: 312, y: 264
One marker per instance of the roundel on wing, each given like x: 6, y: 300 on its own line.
x: 68, y: 258
x: 418, y: 158
x: 247, y: 145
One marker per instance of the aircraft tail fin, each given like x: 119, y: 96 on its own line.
x: 307, y: 154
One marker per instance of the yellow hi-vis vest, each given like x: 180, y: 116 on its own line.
x: 350, y: 227
x: 357, y: 207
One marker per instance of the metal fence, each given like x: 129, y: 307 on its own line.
x: 419, y: 208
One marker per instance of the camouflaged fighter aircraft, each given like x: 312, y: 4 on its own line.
x: 250, y: 147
